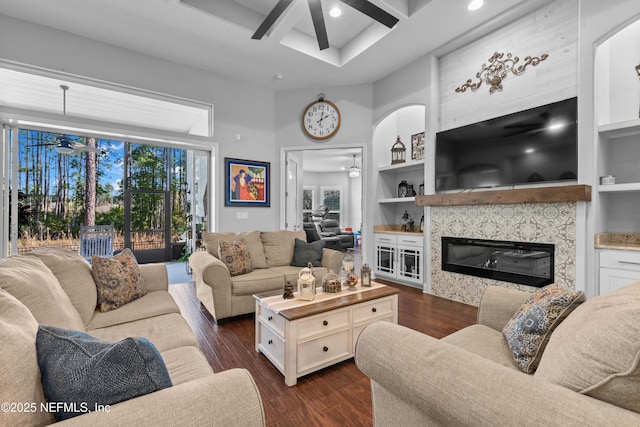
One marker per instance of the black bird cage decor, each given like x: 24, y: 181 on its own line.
x: 398, y: 152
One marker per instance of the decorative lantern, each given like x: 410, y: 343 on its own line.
x: 306, y: 284
x: 365, y: 275
x: 331, y: 283
x: 398, y: 152
x: 403, y: 188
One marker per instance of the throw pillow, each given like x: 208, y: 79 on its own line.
x: 596, y: 351
x: 118, y: 280
x: 82, y: 371
x: 304, y: 253
x: 528, y: 332
x: 235, y: 256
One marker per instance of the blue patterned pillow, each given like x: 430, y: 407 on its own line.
x: 81, y: 371
x: 529, y: 330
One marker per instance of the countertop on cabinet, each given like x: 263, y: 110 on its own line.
x: 617, y: 241
x: 396, y: 229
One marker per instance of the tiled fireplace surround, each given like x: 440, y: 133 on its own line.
x: 553, y: 223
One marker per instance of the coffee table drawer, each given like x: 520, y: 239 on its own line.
x: 322, y: 323
x: 375, y: 309
x: 323, y: 350
x: 272, y: 346
x: 272, y: 319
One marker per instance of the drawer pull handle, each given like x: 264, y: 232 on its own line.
x: 270, y: 342
x: 325, y: 348
x: 629, y: 262
x: 325, y: 323
x: 270, y: 318
x: 374, y: 309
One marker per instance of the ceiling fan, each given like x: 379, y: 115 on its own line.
x: 65, y: 145
x: 315, y: 6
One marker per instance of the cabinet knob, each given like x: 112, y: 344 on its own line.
x: 325, y: 348
x: 270, y: 318
x: 270, y: 342
x: 325, y: 323
x: 374, y: 309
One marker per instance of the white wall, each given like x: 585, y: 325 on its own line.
x: 239, y: 108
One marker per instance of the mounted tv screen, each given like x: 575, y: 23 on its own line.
x: 536, y: 145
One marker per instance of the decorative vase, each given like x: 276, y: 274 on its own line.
x: 348, y: 263
x: 331, y: 283
x: 403, y: 188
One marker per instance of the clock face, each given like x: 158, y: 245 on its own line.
x: 321, y: 119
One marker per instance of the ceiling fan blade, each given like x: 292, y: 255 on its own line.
x: 373, y: 12
x: 271, y: 18
x: 318, y: 23
x: 87, y: 148
x: 43, y: 145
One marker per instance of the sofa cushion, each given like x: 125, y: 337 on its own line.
x: 74, y: 274
x: 33, y: 284
x: 278, y: 246
x: 166, y: 332
x: 254, y: 243
x: 483, y: 341
x: 79, y: 369
x: 118, y: 280
x: 235, y: 256
x: 260, y: 280
x: 20, y: 380
x: 304, y: 253
x: 186, y: 364
x: 530, y: 328
x: 596, y: 350
x: 152, y: 304
x: 290, y: 273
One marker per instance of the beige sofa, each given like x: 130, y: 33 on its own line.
x: 56, y: 288
x: 588, y: 373
x: 271, y: 254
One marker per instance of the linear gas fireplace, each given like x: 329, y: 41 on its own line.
x: 516, y: 262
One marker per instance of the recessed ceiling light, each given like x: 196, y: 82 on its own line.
x: 529, y: 150
x: 475, y: 4
x: 335, y: 12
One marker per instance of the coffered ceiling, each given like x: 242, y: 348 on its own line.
x: 215, y: 35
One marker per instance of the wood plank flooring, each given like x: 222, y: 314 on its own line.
x: 336, y: 396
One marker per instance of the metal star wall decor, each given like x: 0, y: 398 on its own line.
x: 498, y: 69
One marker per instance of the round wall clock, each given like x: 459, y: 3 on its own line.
x: 321, y: 119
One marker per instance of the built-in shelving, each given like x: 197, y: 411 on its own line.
x: 403, y: 167
x: 398, y: 200
x: 620, y: 129
x: 619, y: 188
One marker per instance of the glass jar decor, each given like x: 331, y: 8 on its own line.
x: 365, y: 275
x: 352, y: 281
x: 348, y: 263
x: 403, y: 188
x: 331, y: 283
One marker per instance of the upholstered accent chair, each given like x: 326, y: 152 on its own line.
x: 330, y: 242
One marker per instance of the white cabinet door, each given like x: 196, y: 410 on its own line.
x: 613, y: 278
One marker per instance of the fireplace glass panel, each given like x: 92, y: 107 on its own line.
x: 524, y: 263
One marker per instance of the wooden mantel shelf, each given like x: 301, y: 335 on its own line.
x: 565, y: 193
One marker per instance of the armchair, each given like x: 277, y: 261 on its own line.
x: 331, y: 228
x: 330, y: 242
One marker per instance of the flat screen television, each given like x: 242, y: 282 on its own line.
x: 536, y: 145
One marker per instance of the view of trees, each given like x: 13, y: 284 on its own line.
x: 59, y: 192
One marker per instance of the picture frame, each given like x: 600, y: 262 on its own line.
x: 417, y: 146
x: 247, y: 183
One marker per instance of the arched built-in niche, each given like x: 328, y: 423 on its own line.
x: 403, y: 122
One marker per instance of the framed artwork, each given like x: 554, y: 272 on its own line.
x: 247, y: 183
x: 417, y: 146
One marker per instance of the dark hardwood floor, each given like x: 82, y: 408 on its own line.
x: 336, y: 396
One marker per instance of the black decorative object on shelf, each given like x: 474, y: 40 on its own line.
x: 398, y: 152
x: 403, y: 189
x: 411, y: 192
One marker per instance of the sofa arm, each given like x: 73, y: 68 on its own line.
x: 447, y: 385
x: 498, y: 305
x: 229, y: 398
x: 213, y: 283
x: 332, y: 260
x: 155, y: 276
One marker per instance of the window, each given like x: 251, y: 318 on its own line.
x: 332, y: 198
x: 308, y: 203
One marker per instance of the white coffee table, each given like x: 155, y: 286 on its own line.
x: 300, y: 337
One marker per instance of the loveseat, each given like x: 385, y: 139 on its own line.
x: 55, y: 287
x: 271, y: 254
x: 588, y: 373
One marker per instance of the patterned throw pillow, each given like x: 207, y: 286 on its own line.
x: 118, y: 280
x: 78, y: 369
x: 235, y: 256
x: 528, y: 332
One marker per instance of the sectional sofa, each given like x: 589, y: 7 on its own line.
x: 55, y: 287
